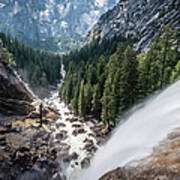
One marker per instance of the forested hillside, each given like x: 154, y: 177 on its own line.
x: 36, y: 67
x: 105, y: 80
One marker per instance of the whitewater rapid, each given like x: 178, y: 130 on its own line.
x: 77, y: 142
x: 142, y: 130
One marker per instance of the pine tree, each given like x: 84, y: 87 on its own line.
x: 128, y: 82
x: 105, y: 114
x: 96, y: 101
x: 74, y: 101
x: 81, y: 101
x: 88, y: 92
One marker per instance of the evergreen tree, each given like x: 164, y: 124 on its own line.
x: 105, y: 114
x: 74, y: 101
x: 81, y: 101
x: 96, y: 101
x: 128, y: 82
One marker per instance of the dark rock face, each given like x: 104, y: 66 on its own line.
x: 15, y: 97
x: 143, y: 19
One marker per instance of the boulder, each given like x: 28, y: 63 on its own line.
x: 62, y: 135
x: 78, y: 131
x: 76, y: 125
x: 90, y: 147
x: 58, y: 125
x: 85, y: 162
x: 73, y: 120
x: 69, y: 158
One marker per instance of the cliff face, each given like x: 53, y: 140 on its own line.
x: 163, y: 163
x: 142, y: 19
x: 51, y: 22
x: 15, y: 97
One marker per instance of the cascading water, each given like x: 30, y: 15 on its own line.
x: 143, y: 130
x: 75, y: 143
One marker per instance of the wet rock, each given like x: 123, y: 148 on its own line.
x: 85, y: 163
x: 76, y: 125
x: 67, y: 113
x: 81, y: 120
x: 74, y: 155
x: 74, y: 120
x: 69, y: 158
x: 78, y: 131
x: 90, y: 141
x: 91, y: 135
x: 70, y: 107
x: 62, y: 135
x: 58, y: 125
x: 90, y: 147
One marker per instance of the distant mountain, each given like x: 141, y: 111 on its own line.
x: 51, y: 24
x: 142, y: 19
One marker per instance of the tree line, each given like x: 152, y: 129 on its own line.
x: 107, y: 83
x: 36, y: 67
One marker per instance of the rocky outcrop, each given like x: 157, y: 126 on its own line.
x: 163, y: 163
x: 27, y: 151
x: 142, y: 19
x: 15, y: 97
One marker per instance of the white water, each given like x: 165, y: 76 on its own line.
x: 76, y: 142
x: 143, y: 130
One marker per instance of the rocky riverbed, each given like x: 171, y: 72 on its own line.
x: 76, y: 139
x: 57, y: 150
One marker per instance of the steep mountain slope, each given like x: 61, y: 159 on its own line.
x: 51, y: 22
x: 15, y: 97
x: 143, y: 19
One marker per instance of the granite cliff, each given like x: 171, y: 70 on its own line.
x: 53, y: 25
x: 142, y: 19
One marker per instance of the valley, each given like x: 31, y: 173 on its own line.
x: 89, y: 90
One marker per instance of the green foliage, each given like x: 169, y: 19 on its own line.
x: 81, y: 101
x: 175, y: 75
x: 41, y: 68
x: 107, y: 79
x: 156, y: 68
x: 128, y: 80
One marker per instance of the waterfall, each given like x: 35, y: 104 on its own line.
x: 136, y: 137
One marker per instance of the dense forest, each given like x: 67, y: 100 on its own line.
x: 38, y: 68
x: 105, y: 80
